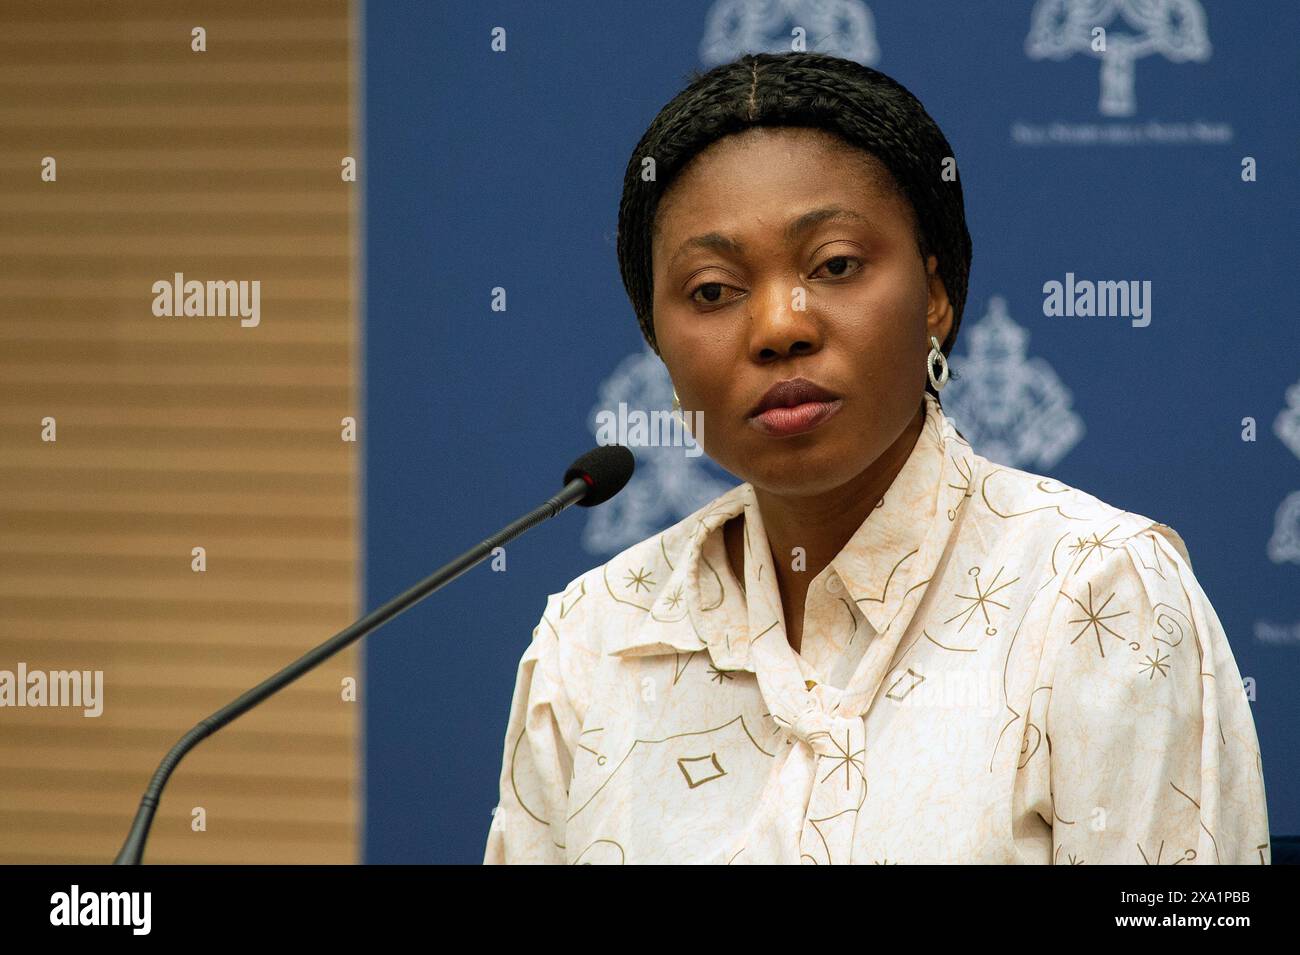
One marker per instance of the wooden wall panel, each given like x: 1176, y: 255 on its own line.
x: 176, y: 432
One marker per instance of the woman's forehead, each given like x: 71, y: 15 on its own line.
x: 770, y: 180
x: 761, y: 149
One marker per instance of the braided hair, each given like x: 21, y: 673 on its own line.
x: 861, y: 106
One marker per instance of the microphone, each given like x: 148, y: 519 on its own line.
x: 592, y: 479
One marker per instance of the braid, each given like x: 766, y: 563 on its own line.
x: 864, y: 108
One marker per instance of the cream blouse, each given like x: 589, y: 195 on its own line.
x: 997, y: 668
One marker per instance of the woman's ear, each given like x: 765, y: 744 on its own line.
x: 938, y: 315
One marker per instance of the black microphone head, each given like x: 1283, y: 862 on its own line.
x: 606, y: 469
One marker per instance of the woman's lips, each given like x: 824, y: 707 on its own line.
x: 798, y: 419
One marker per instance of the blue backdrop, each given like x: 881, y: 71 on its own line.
x: 489, y: 170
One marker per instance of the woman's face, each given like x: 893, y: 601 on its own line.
x: 782, y: 254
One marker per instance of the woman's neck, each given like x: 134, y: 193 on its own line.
x: 820, y: 524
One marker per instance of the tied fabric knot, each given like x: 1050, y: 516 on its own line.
x: 834, y: 738
x: 819, y: 724
x: 818, y: 728
x: 838, y: 787
x: 812, y: 801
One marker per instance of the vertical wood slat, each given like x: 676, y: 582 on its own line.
x: 178, y: 432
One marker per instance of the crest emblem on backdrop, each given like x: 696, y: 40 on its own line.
x: 1012, y: 408
x: 668, y: 484
x: 1287, y: 424
x: 843, y: 28
x: 1173, y: 28
x: 1284, y: 545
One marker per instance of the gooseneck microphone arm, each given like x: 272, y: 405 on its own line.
x: 593, y: 479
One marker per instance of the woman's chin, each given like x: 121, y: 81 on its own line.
x: 804, y: 472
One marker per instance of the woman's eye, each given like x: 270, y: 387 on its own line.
x: 839, y: 264
x: 712, y: 294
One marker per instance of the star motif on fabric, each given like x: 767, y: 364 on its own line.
x: 1092, y: 545
x: 719, y: 675
x: 843, y: 758
x: 640, y: 578
x: 1156, y: 664
x: 674, y: 599
x: 981, y: 598
x: 1095, y: 619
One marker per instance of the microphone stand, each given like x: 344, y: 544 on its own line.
x: 133, y: 849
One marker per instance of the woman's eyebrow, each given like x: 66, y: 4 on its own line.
x: 710, y: 241
x: 717, y: 242
x: 815, y: 217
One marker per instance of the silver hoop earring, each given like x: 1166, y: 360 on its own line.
x: 936, y: 355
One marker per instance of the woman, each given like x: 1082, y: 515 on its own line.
x: 881, y: 647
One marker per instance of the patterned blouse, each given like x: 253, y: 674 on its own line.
x: 997, y: 668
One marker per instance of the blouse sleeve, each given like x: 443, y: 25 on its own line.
x: 1153, y: 753
x: 537, y: 763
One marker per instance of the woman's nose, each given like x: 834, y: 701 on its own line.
x: 781, y: 325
